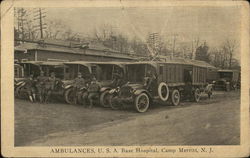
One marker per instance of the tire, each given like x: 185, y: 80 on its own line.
x: 175, y: 97
x: 141, y: 103
x: 18, y: 92
x: 197, y: 95
x: 163, y: 94
x: 79, y: 97
x: 68, y: 96
x: 105, y: 99
x: 114, y: 105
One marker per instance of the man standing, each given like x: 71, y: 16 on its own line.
x: 41, y: 86
x: 118, y: 77
x: 49, y: 86
x: 30, y: 86
x: 79, y: 82
x: 93, y: 91
x: 150, y: 77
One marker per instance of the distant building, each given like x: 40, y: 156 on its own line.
x: 54, y: 50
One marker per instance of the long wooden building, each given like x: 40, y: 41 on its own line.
x: 51, y: 50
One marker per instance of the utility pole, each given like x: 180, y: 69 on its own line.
x: 20, y: 23
x: 173, y: 51
x: 154, y: 41
x: 39, y: 16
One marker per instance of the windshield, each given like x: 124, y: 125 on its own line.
x: 226, y: 75
x: 107, y: 72
x: 137, y: 72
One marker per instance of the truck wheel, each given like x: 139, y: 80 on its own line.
x: 19, y: 92
x: 175, y: 97
x: 79, y: 98
x: 69, y: 96
x: 163, y: 91
x: 105, y: 99
x: 114, y: 104
x: 197, y: 95
x: 141, y: 103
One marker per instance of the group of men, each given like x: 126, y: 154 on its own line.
x: 92, y: 92
x: 42, y: 86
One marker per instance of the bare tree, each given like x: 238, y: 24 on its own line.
x: 229, y: 48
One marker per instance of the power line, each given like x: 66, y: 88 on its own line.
x: 39, y: 16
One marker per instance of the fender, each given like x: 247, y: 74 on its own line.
x: 19, y: 83
x: 67, y: 86
x: 139, y: 91
x: 112, y: 91
x: 104, y: 89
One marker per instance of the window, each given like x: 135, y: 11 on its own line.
x: 67, y: 70
x: 161, y: 70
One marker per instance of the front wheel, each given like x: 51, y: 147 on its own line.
x: 175, y: 97
x: 69, y: 96
x: 113, y: 103
x: 141, y: 102
x: 105, y: 99
x: 197, y: 95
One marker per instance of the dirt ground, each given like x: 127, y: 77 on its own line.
x: 214, y: 121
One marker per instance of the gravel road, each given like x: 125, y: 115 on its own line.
x: 212, y: 121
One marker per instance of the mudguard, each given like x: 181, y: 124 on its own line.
x: 67, y: 86
x: 104, y: 89
x: 139, y: 91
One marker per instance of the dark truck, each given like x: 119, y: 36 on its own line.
x: 35, y: 67
x: 227, y: 80
x: 103, y: 71
x: 174, y: 80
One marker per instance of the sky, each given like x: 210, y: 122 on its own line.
x: 212, y: 24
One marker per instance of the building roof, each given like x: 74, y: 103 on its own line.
x: 66, y: 47
x: 227, y: 70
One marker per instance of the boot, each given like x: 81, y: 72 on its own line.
x: 90, y: 103
x: 34, y: 97
x: 46, y: 99
x: 31, y: 99
x: 40, y: 99
x: 75, y: 101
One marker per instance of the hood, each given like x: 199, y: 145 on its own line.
x: 105, y: 83
x: 133, y: 85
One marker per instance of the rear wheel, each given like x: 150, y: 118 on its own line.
x: 105, y: 99
x: 69, y: 96
x: 197, y: 95
x: 175, y: 97
x: 141, y: 103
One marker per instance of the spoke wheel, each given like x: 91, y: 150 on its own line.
x: 175, y: 98
x: 142, y: 103
x: 105, y: 99
x: 114, y: 104
x: 197, y: 95
x: 69, y: 96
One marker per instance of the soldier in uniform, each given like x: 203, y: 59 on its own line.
x: 30, y: 86
x: 93, y: 91
x: 118, y: 76
x: 49, y: 86
x: 79, y: 82
x: 41, y: 79
x: 150, y: 77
